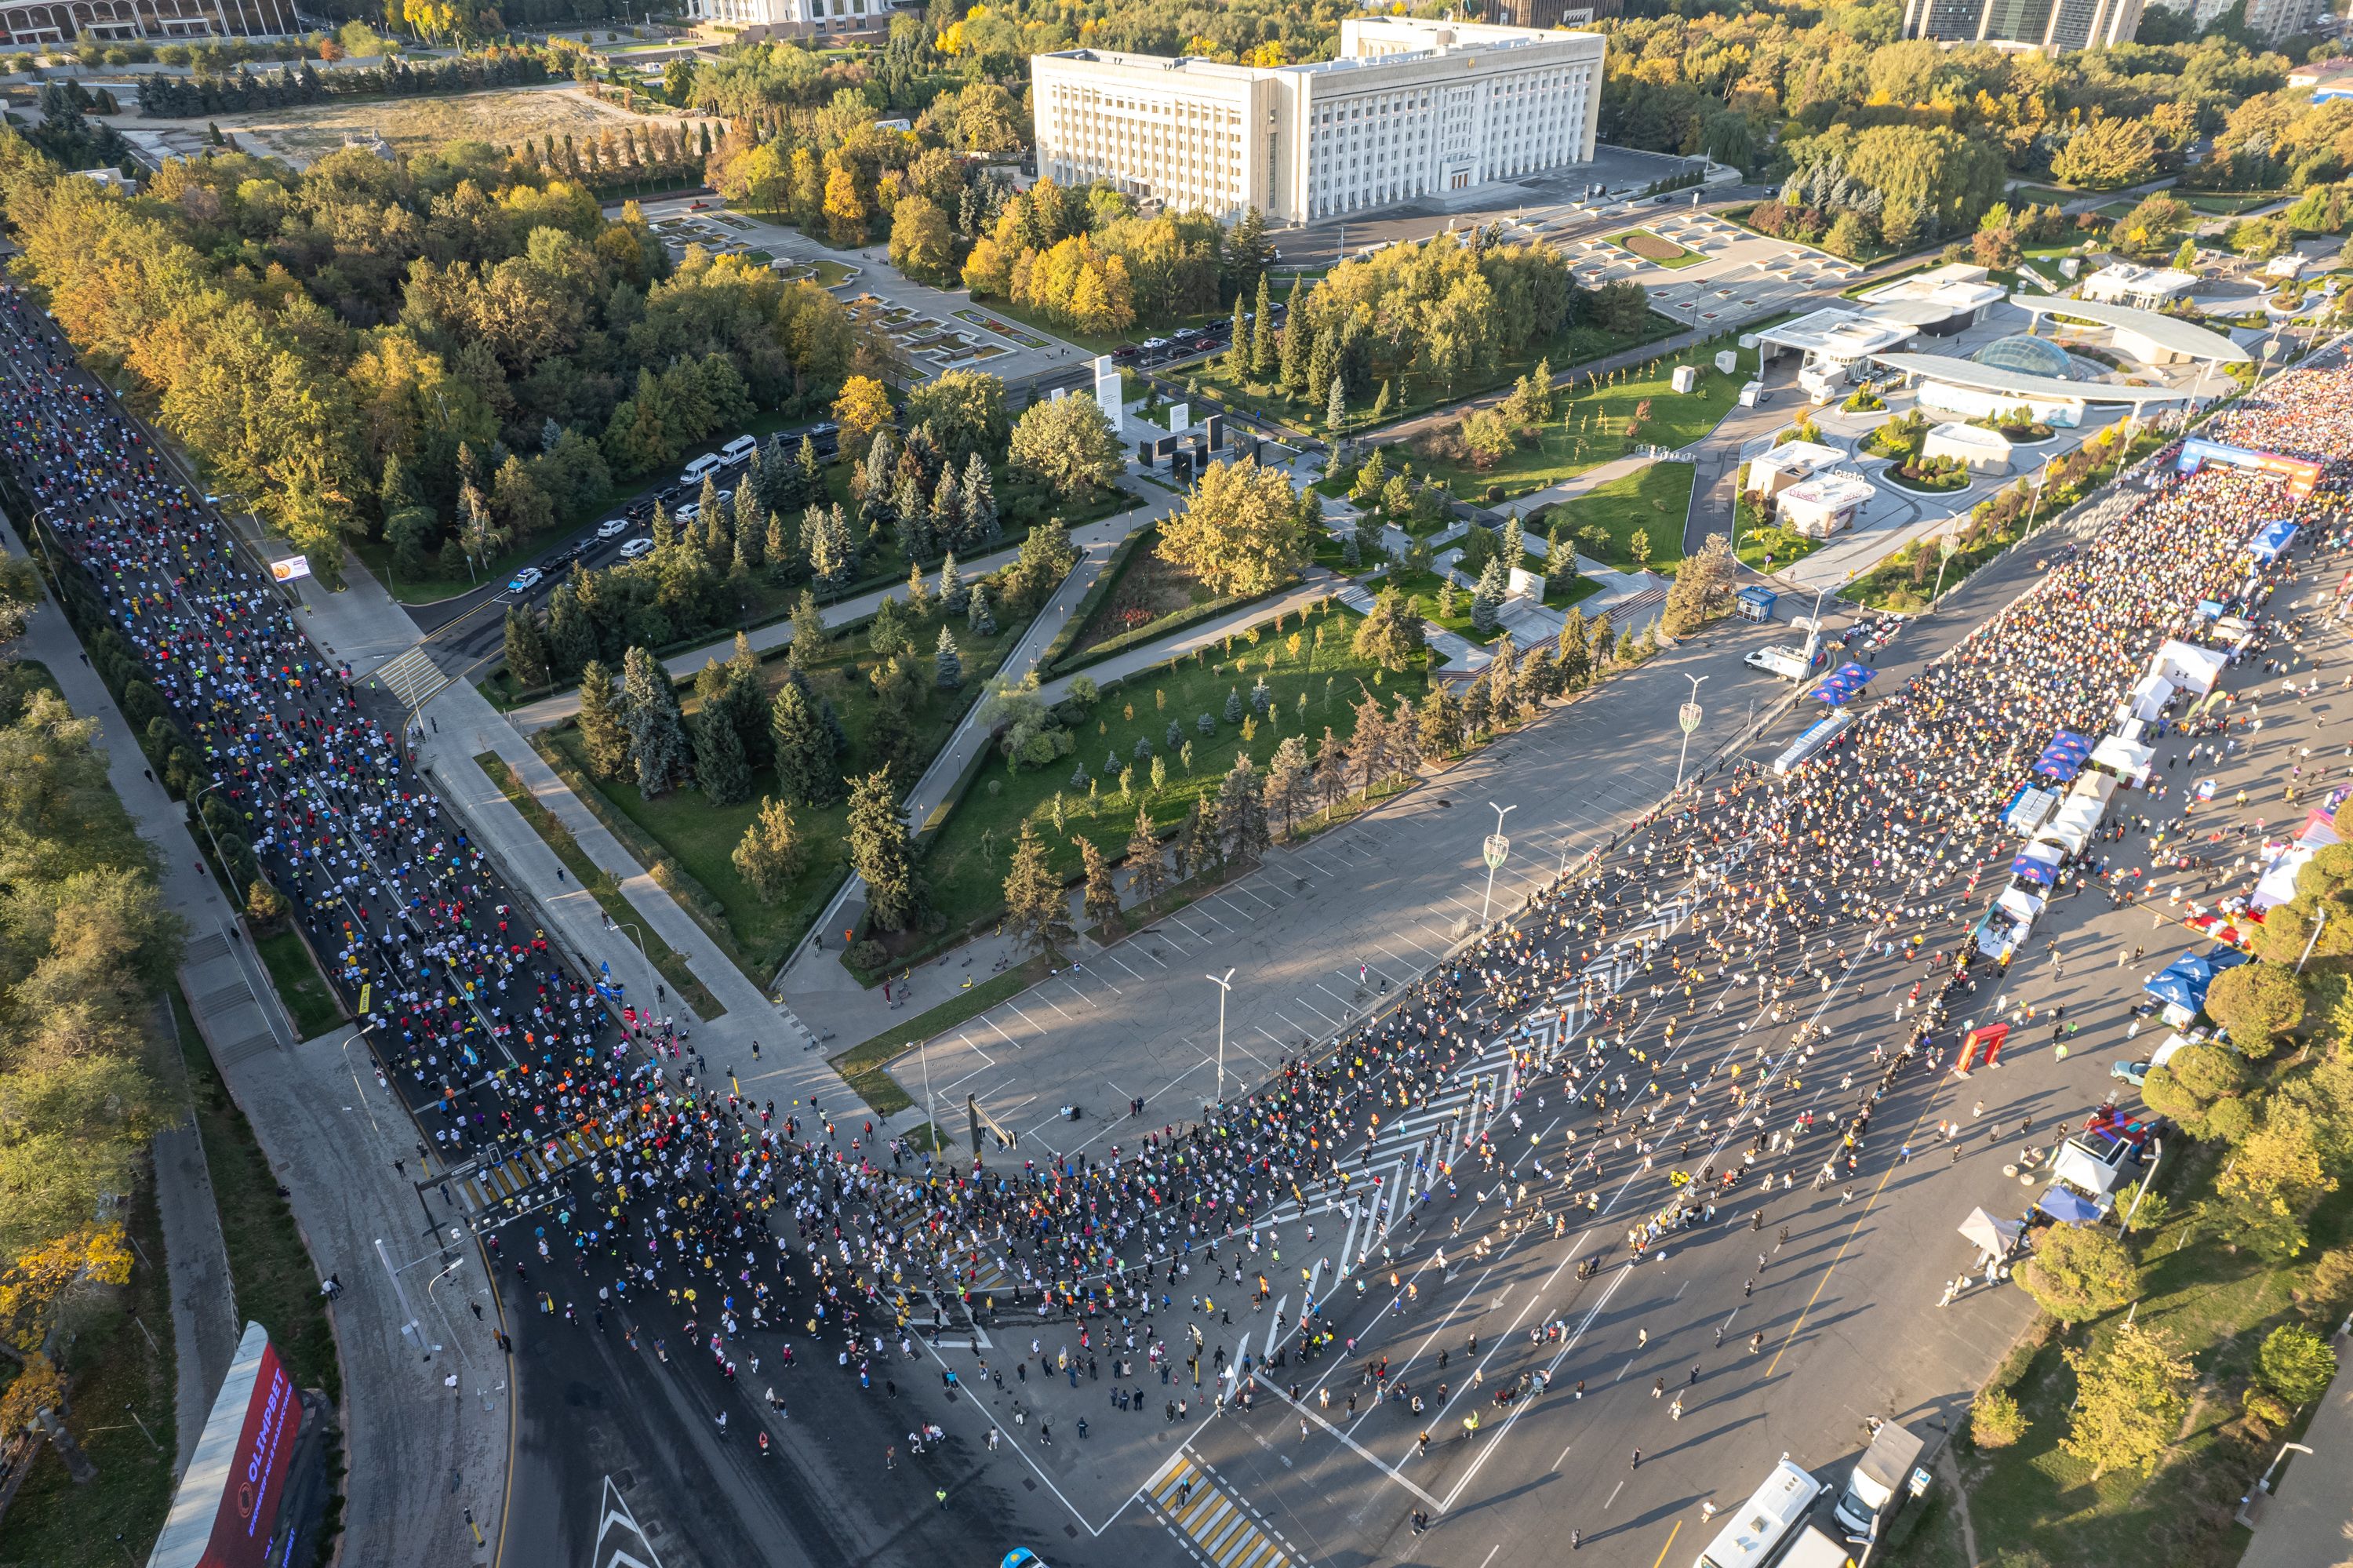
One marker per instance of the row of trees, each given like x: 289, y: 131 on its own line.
x: 90, y: 947
x: 241, y: 89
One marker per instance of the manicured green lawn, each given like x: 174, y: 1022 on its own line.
x: 299, y: 984
x: 1588, y: 429
x: 1655, y: 499
x: 1413, y: 396
x: 2230, y: 204
x: 1784, y: 547
x: 701, y: 837
x: 970, y: 854
x: 1641, y: 242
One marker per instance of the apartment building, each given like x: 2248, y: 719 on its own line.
x: 1409, y: 109
x: 2059, y: 26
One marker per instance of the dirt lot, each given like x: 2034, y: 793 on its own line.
x: 502, y: 117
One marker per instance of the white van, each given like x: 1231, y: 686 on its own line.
x: 1756, y: 1533
x: 737, y: 450
x: 702, y: 469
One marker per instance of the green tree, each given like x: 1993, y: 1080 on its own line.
x: 1148, y: 865
x: 1263, y: 357
x: 809, y: 640
x: 2132, y: 1393
x: 922, y: 243
x: 880, y: 851
x: 807, y: 753
x: 2106, y: 154
x: 602, y: 737
x: 1390, y: 634
x: 1487, y: 597
x: 1101, y: 895
x: 2257, y: 1004
x: 772, y: 851
x: 1036, y: 908
x: 1069, y: 445
x: 1239, y: 815
x: 656, y: 730
x: 1240, y: 532
x: 2078, y: 1272
x: 2295, y: 1363
x: 720, y: 769
x: 526, y: 648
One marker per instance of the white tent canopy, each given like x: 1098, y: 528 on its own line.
x: 1989, y: 1235
x: 2148, y: 697
x: 2075, y: 823
x: 2188, y: 666
x: 2127, y: 759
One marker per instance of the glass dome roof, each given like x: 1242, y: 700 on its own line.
x: 2027, y: 355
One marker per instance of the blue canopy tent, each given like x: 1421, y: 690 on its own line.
x: 2068, y: 1207
x: 2182, y: 983
x: 2037, y: 863
x: 2271, y: 541
x: 1844, y: 684
x: 2065, y: 757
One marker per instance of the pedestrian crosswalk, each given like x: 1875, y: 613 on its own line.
x: 413, y: 677
x: 492, y: 1195
x: 1220, y: 1528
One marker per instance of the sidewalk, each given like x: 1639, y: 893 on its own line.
x: 414, y: 1465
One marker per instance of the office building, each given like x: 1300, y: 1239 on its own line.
x: 2058, y: 26
x: 1409, y: 109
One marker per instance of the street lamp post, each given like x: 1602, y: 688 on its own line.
x: 1497, y: 847
x: 1688, y: 716
x: 1225, y: 989
x: 1948, y: 546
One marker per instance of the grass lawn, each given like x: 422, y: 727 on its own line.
x: 1411, y: 396
x: 2036, y: 1503
x: 301, y: 986
x: 1654, y: 498
x: 600, y: 884
x: 701, y: 838
x: 1588, y: 428
x: 109, y: 1365
x: 1655, y: 249
x: 2043, y: 196
x: 2230, y: 204
x: 1148, y: 324
x: 1784, y: 547
x: 969, y: 855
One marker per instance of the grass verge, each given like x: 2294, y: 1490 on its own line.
x: 600, y: 884
x: 309, y: 1000
x: 1652, y: 501
x: 861, y: 1067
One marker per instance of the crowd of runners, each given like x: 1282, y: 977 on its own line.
x: 1622, y: 1058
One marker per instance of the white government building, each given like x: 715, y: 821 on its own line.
x: 753, y: 20
x: 1409, y: 109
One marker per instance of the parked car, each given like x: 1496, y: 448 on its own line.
x: 2133, y: 1073
x: 1154, y: 344
x: 612, y: 527
x: 690, y: 512
x: 636, y: 547
x: 529, y: 577
x: 1125, y: 352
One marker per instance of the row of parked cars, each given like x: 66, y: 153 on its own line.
x: 684, y: 498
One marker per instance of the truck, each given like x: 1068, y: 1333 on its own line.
x: 1879, y: 1477
x: 1789, y: 663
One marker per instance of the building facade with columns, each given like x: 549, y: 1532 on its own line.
x: 1409, y: 109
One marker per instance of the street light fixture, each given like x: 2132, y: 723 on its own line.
x: 1497, y: 847
x: 1688, y: 716
x: 1225, y: 989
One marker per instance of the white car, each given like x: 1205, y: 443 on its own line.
x: 690, y: 512
x: 526, y: 579
x: 636, y: 547
x: 612, y: 528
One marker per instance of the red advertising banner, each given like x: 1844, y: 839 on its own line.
x: 249, y: 1505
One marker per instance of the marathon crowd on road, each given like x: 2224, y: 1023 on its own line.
x: 1642, y: 1026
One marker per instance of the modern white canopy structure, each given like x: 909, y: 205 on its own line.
x: 2147, y: 336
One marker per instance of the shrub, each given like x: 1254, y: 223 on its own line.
x: 1995, y: 1419
x: 868, y: 954
x: 2295, y: 1363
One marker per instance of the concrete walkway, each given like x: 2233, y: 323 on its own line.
x: 420, y: 1450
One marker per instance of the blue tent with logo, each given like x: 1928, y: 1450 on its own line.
x: 1844, y: 685
x: 2272, y: 540
x: 2182, y: 983
x: 2037, y: 863
x: 2065, y: 757
x: 2068, y: 1206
